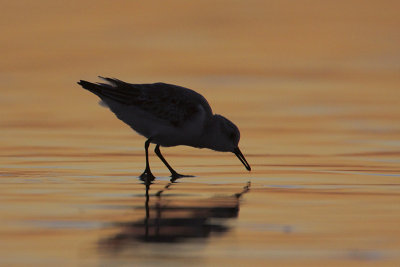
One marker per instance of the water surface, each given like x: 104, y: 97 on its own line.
x: 315, y: 96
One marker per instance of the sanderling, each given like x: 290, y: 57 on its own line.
x: 168, y: 115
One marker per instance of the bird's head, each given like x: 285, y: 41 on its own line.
x: 225, y: 137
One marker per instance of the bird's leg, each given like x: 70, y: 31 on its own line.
x: 147, y: 176
x: 174, y: 174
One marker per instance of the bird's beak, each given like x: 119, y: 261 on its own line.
x: 242, y: 158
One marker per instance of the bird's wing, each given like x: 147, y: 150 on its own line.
x: 171, y: 103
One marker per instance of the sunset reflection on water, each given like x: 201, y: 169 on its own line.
x: 313, y: 87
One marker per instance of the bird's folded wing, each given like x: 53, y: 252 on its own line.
x: 173, y: 104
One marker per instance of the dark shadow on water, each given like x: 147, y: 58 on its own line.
x: 170, y: 221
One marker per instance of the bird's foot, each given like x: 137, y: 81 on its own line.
x: 147, y: 176
x: 174, y: 176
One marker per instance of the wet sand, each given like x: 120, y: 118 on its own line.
x: 313, y: 87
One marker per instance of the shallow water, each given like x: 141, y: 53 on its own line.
x: 318, y: 119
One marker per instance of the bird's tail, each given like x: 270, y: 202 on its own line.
x: 92, y: 87
x: 115, y: 89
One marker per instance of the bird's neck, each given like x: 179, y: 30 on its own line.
x: 209, y: 137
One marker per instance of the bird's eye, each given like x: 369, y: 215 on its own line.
x: 232, y: 136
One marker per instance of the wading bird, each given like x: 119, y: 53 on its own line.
x: 167, y: 115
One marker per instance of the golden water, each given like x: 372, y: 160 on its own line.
x: 313, y: 87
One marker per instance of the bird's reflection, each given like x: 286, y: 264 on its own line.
x: 170, y: 221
